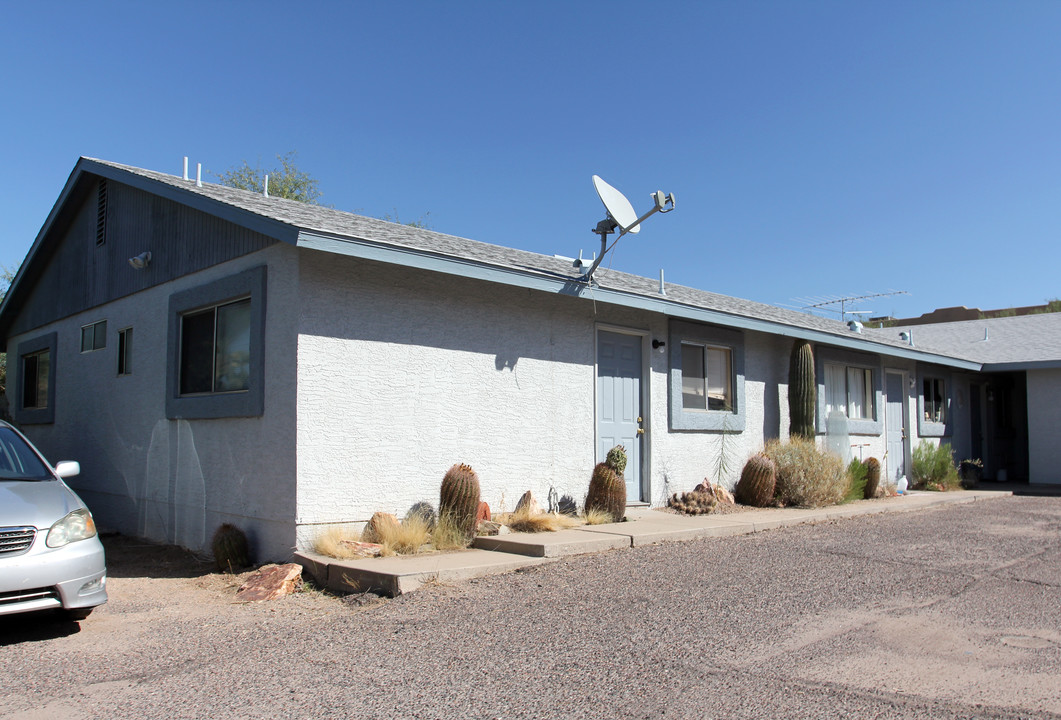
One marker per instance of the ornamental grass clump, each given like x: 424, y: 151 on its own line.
x: 806, y: 475
x: 933, y: 467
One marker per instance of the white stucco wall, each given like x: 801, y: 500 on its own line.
x: 403, y: 374
x: 175, y: 481
x: 1044, y: 420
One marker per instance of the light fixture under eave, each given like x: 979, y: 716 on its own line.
x: 621, y: 215
x: 141, y: 261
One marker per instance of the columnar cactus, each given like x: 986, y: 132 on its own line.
x: 616, y: 459
x: 459, y: 498
x: 607, y: 492
x: 872, y: 477
x: 802, y: 391
x: 230, y: 548
x: 757, y: 482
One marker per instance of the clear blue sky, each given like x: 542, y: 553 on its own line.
x: 815, y: 148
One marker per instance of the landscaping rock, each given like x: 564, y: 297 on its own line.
x: 377, y: 525
x: 483, y: 513
x: 489, y: 527
x: 362, y: 549
x: 270, y: 582
x: 528, y: 504
x: 720, y: 493
x: 426, y: 511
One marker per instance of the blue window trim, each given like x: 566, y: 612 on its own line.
x: 850, y: 358
x: 928, y: 428
x: 706, y: 420
x: 249, y: 403
x: 44, y: 415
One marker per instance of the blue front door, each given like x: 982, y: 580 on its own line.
x: 619, y: 414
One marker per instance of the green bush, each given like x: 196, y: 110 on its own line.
x: 933, y: 467
x: 857, y: 473
x: 806, y: 475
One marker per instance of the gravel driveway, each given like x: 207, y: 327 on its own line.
x: 951, y: 613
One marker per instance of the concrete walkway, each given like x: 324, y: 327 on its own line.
x: 644, y: 526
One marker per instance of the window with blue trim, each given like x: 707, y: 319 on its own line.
x: 706, y: 380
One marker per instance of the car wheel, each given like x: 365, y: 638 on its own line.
x: 77, y: 614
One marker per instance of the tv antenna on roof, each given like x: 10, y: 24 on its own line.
x: 621, y: 215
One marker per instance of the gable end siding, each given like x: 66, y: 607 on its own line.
x: 79, y: 274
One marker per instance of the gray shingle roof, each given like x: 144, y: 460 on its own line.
x: 1022, y: 339
x: 305, y: 217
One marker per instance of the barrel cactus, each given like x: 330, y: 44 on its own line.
x: 607, y: 492
x: 802, y: 391
x: 872, y: 477
x: 757, y: 482
x: 616, y: 459
x: 459, y: 498
x: 230, y: 548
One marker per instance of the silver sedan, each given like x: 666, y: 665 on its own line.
x: 50, y: 554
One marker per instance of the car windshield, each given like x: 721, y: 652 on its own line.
x: 17, y: 461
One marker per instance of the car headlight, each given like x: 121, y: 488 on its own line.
x: 78, y: 525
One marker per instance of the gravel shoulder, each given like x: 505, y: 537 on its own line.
x: 949, y: 612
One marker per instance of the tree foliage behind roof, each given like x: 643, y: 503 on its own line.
x: 286, y: 181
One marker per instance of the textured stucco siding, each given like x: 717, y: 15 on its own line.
x: 1044, y: 420
x: 175, y: 481
x: 403, y: 373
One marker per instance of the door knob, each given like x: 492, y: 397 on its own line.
x: 640, y: 431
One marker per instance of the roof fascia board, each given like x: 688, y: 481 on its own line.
x: 422, y: 260
x: 1028, y: 365
x: 218, y: 208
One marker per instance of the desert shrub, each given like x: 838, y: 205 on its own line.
x: 806, y: 475
x: 523, y: 520
x: 933, y: 467
x: 857, y: 474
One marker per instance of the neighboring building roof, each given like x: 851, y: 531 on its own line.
x: 322, y: 228
x: 1009, y: 343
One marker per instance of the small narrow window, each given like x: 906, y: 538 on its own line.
x: 101, y: 213
x: 94, y: 336
x: 125, y: 351
x: 934, y: 394
x: 35, y: 380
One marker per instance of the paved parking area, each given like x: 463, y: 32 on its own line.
x: 942, y: 613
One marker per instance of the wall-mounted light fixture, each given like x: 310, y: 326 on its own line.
x: 658, y: 345
x: 141, y: 261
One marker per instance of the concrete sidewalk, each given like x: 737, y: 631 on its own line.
x: 644, y: 526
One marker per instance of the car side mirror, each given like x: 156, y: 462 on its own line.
x: 68, y: 468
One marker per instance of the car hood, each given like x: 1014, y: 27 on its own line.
x: 37, y: 503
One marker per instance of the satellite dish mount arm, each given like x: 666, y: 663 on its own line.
x: 663, y: 204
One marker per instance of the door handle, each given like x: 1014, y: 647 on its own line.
x: 640, y: 431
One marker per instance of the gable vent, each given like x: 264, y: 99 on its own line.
x: 101, y: 213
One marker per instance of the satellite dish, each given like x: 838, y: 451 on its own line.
x: 621, y: 215
x: 619, y: 208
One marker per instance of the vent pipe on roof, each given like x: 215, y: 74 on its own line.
x: 662, y: 288
x: 185, y: 167
x: 198, y: 174
x: 986, y: 338
x: 907, y: 336
x: 854, y: 326
x: 265, y: 187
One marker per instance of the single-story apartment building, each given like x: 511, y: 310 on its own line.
x: 215, y: 355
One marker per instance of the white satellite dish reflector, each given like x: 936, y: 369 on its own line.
x: 619, y: 208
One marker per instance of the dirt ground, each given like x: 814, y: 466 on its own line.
x: 945, y: 613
